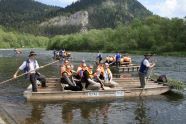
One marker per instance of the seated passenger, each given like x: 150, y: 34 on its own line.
x: 100, y: 69
x: 108, y: 77
x: 66, y: 77
x: 87, y: 78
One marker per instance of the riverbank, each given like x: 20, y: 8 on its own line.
x: 176, y: 54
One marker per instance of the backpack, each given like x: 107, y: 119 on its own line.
x: 162, y: 78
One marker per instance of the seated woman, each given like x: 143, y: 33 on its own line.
x: 87, y: 78
x: 67, y: 77
x: 108, y: 77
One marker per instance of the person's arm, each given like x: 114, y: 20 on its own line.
x: 20, y: 68
x: 37, y: 65
x: 148, y: 64
x: 15, y: 75
x: 152, y: 65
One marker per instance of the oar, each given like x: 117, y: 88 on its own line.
x: 28, y: 72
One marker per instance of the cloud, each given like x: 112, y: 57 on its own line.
x: 166, y: 8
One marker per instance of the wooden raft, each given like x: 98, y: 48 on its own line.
x: 127, y: 88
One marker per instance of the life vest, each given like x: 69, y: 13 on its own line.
x: 127, y: 59
x: 27, y: 68
x: 63, y: 68
x: 69, y: 73
x: 90, y: 73
x: 143, y: 69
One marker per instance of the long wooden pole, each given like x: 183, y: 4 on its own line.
x: 28, y: 72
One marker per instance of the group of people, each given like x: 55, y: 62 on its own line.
x: 61, y: 54
x: 84, y: 77
x: 118, y: 59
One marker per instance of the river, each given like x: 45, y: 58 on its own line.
x: 162, y: 109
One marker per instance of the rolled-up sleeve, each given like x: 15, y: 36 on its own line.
x: 22, y: 66
x: 37, y: 65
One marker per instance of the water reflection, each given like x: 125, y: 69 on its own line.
x: 71, y: 112
x: 36, y: 114
x: 141, y: 115
x: 86, y: 110
x: 174, y: 96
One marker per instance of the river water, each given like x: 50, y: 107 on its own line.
x: 162, y: 109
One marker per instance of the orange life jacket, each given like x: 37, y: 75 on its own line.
x: 69, y: 73
x: 90, y: 72
x: 127, y: 59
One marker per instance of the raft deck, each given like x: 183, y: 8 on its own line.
x: 127, y: 88
x: 127, y: 68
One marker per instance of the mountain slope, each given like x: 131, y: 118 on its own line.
x: 26, y: 15
x: 17, y: 13
x: 109, y: 13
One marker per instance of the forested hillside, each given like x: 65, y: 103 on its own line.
x: 26, y: 15
x: 154, y: 34
x: 23, y: 15
x: 101, y: 14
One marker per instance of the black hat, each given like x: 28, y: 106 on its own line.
x: 32, y: 53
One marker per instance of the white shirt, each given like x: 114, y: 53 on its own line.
x: 32, y: 65
x: 146, y: 63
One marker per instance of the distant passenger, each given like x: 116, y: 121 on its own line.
x: 117, y: 58
x: 99, y: 57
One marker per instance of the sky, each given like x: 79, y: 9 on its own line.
x: 164, y: 8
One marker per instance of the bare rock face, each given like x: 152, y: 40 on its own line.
x: 76, y: 19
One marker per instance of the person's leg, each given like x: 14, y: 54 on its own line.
x: 142, y: 79
x: 69, y: 81
x: 114, y: 84
x: 93, y: 85
x: 33, y: 82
